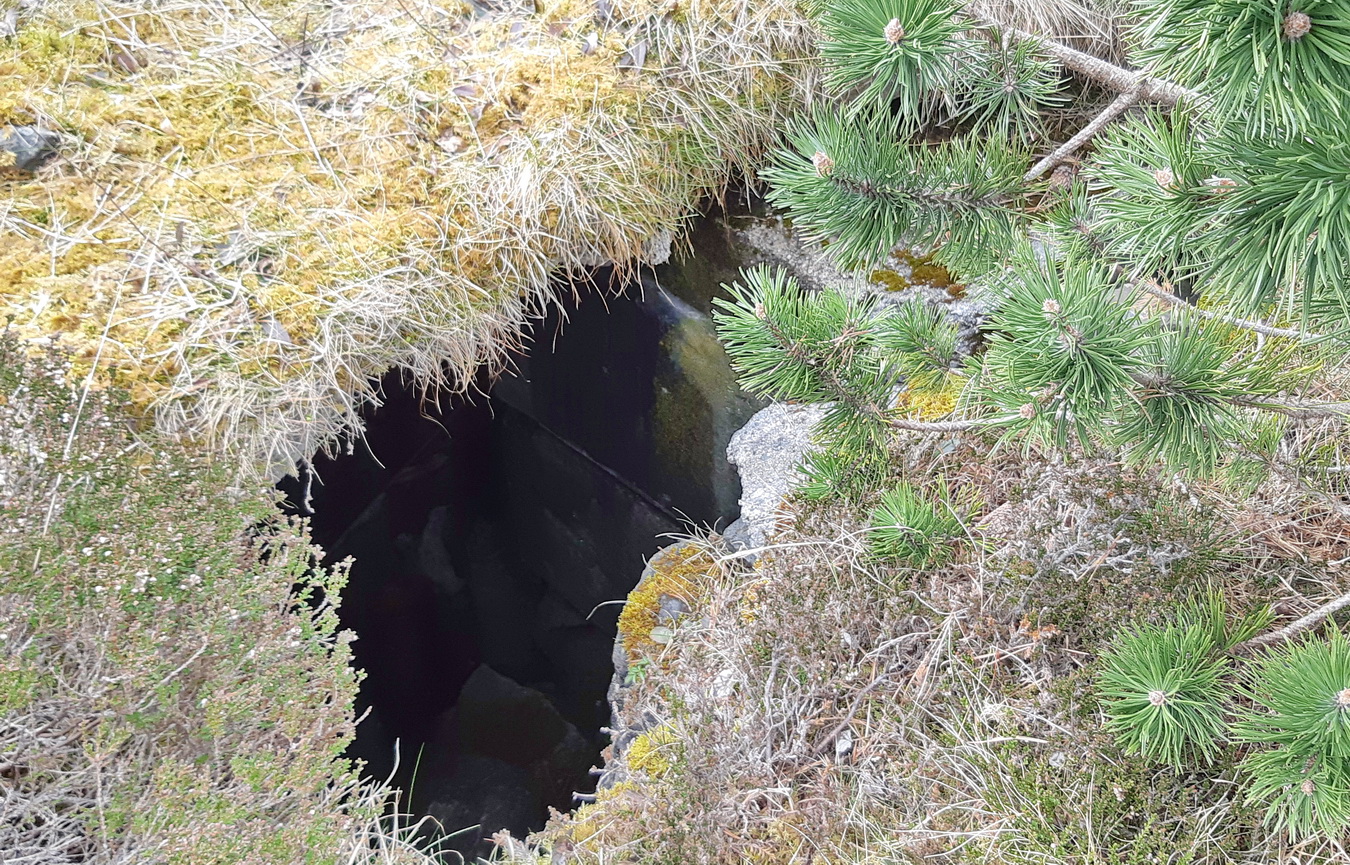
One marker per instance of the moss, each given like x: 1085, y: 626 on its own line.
x: 915, y: 270
x: 651, y: 752
x: 385, y: 244
x: 931, y: 403
x: 890, y: 280
x: 675, y: 571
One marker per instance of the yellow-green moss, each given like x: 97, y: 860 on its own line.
x: 676, y: 571
x: 651, y: 752
x: 922, y: 271
x: 409, y: 207
x: 931, y: 403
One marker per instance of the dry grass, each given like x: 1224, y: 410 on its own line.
x: 259, y: 207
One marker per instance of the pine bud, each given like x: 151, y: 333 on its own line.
x: 1308, y: 787
x: 1165, y: 178
x: 823, y: 163
x: 1343, y: 699
x: 894, y: 32
x: 760, y: 312
x: 1027, y: 411
x: 1051, y: 308
x: 1062, y: 177
x: 1296, y: 26
x: 1221, y: 184
x: 1157, y: 698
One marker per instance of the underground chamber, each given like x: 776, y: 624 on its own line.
x: 494, y: 538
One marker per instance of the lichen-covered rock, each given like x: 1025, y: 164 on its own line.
x: 767, y: 452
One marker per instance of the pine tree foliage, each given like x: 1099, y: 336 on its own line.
x: 1299, y: 709
x: 1228, y: 199
x: 1161, y: 687
x: 1065, y: 356
x: 1175, y: 291
x: 1005, y: 92
x: 1156, y: 189
x: 1274, y: 66
x: 889, y: 49
x: 918, y: 530
x: 790, y: 346
x: 844, y: 181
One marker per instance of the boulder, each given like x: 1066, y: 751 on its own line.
x: 766, y: 452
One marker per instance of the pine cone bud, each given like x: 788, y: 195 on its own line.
x: 1157, y: 698
x: 1027, y: 411
x: 1051, y: 308
x: 894, y: 32
x: 1062, y: 177
x: 823, y: 163
x: 1165, y: 178
x: 1343, y: 699
x: 1296, y: 26
x: 1308, y: 787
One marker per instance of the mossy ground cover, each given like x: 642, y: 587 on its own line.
x: 256, y: 208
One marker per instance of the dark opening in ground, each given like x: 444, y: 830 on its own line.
x: 492, y: 537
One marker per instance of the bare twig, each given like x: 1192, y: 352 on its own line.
x: 938, y: 426
x: 1117, y: 107
x: 1312, y: 620
x: 1296, y: 410
x: 1244, y: 323
x: 1108, y: 75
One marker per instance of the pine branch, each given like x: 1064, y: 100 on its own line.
x: 937, y: 426
x: 1298, y: 411
x: 1117, y: 107
x: 1312, y: 620
x: 950, y: 199
x: 1108, y: 75
x: 844, y: 394
x: 1243, y: 323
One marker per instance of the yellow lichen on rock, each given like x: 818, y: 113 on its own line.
x: 931, y: 403
x: 651, y: 752
x: 675, y: 572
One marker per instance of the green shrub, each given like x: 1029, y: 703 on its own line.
x: 173, y: 684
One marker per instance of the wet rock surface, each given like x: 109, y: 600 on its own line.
x: 495, y: 539
x: 500, y: 756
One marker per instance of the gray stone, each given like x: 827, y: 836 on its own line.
x: 736, y: 535
x: 497, y: 587
x: 502, y: 719
x: 670, y: 609
x: 30, y: 146
x: 767, y: 452
x: 501, y: 754
x: 482, y: 796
